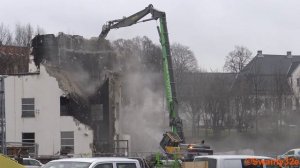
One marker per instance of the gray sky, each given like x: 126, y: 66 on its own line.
x: 211, y: 28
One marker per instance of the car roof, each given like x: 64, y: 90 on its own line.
x: 295, y: 149
x: 233, y: 157
x: 96, y: 159
x: 28, y: 159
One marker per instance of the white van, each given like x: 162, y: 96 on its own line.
x: 234, y: 161
x: 102, y: 162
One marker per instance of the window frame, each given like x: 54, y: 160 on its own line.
x: 290, y: 153
x: 67, y: 138
x: 28, y: 139
x: 125, y: 163
x: 103, y: 163
x: 27, y: 113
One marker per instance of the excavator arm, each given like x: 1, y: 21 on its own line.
x: 133, y: 19
x: 176, y: 136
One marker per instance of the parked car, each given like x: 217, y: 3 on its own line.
x: 102, y: 162
x: 232, y: 161
x: 293, y: 153
x: 143, y: 162
x: 31, y: 163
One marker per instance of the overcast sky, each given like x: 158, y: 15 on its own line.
x: 211, y: 28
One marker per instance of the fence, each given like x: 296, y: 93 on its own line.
x: 25, y: 149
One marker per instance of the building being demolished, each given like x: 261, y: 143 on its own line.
x: 84, y: 71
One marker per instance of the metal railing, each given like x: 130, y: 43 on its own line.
x: 25, y: 149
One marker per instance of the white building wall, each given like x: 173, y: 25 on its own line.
x: 295, y: 75
x: 82, y: 134
x: 47, y: 123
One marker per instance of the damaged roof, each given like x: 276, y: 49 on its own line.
x: 14, y: 59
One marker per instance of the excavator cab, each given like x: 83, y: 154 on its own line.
x: 170, y: 143
x: 189, y: 151
x: 173, y: 144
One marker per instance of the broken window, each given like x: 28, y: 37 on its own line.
x: 28, y: 137
x: 27, y: 107
x: 64, y: 110
x: 67, y: 142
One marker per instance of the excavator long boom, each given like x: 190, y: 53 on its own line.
x: 176, y: 135
x: 133, y: 19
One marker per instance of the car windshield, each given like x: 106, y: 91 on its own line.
x: 70, y: 164
x: 211, y: 163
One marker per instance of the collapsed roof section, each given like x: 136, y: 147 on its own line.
x: 78, y: 64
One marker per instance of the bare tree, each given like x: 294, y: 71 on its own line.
x: 281, y: 92
x: 185, y: 72
x: 141, y: 51
x: 23, y: 35
x: 183, y: 59
x: 191, y: 89
x: 5, y: 35
x: 217, y: 101
x: 237, y: 59
x: 184, y: 62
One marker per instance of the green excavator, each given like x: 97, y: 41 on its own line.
x: 173, y: 141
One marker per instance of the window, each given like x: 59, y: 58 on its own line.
x: 27, y: 107
x: 28, y: 137
x: 232, y: 163
x: 210, y: 163
x: 28, y: 140
x: 291, y: 152
x: 64, y: 110
x: 67, y: 142
x: 126, y: 165
x: 105, y: 165
x: 71, y: 164
x: 29, y: 162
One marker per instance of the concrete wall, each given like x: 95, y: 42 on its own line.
x: 47, y: 123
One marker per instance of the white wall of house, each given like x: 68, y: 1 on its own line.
x: 295, y: 86
x: 47, y: 123
x: 293, y: 80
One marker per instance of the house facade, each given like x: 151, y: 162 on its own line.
x: 68, y: 105
x: 294, y: 81
x: 268, y: 83
x: 33, y: 116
